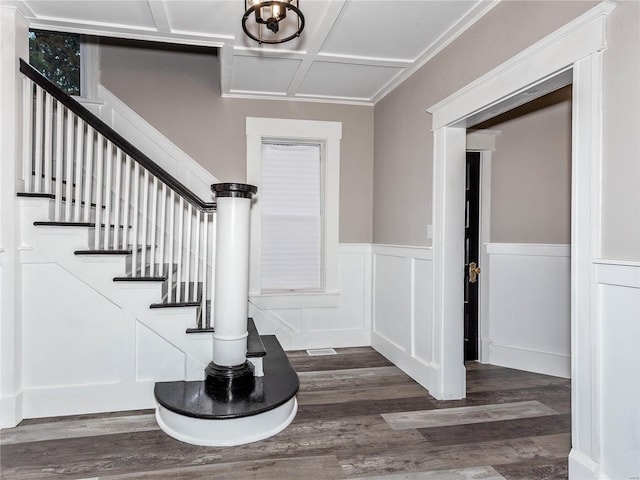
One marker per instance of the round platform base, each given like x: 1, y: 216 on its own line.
x: 226, y: 432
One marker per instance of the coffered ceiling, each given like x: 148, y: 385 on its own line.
x: 351, y: 51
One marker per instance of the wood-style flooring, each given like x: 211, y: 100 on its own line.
x: 359, y: 417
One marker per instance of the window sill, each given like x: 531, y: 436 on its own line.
x: 295, y: 300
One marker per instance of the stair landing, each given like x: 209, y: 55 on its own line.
x: 192, y: 413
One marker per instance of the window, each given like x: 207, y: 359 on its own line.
x: 57, y: 56
x: 291, y: 211
x: 294, y: 218
x: 68, y: 60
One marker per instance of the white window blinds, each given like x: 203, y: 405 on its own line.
x: 291, y: 223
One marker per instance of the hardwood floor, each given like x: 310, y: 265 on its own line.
x: 359, y: 417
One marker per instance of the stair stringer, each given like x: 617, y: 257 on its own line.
x: 55, y: 245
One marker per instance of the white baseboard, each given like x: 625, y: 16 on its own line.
x: 11, y: 410
x: 82, y: 399
x: 530, y: 360
x: 423, y: 373
x: 582, y: 467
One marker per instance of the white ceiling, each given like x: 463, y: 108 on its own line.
x: 351, y: 51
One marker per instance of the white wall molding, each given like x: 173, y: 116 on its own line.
x: 528, y: 308
x: 529, y: 249
x: 618, y: 295
x: 402, y: 326
x: 321, y: 320
x: 536, y: 64
x: 405, y: 251
x: 482, y: 140
x: 546, y: 363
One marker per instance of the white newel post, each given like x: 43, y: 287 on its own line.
x: 230, y: 367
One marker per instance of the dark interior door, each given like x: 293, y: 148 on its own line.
x: 471, y: 270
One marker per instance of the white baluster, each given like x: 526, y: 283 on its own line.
x: 117, y: 201
x: 108, y: 161
x: 196, y: 258
x: 145, y: 220
x: 59, y: 160
x: 88, y: 174
x: 134, y: 231
x: 187, y: 293
x: 68, y: 160
x: 172, y: 214
x: 163, y: 230
x: 180, y: 252
x: 212, y: 276
x: 48, y: 140
x: 203, y: 301
x: 127, y: 202
x: 98, y: 215
x: 79, y: 163
x: 37, y: 181
x: 154, y: 214
x: 27, y: 136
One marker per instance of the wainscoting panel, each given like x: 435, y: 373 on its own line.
x: 403, y: 309
x: 618, y: 287
x: 337, y: 319
x: 529, y: 311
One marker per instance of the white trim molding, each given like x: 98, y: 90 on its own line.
x: 330, y: 135
x: 124, y: 120
x: 572, y: 54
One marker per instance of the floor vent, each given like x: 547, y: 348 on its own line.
x: 316, y: 352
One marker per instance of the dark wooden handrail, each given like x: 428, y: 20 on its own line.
x: 114, y: 137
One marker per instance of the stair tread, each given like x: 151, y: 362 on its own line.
x: 190, y: 398
x: 74, y: 224
x: 140, y: 279
x: 255, y: 346
x: 51, y: 196
x: 102, y: 251
x: 63, y: 224
x: 174, y: 304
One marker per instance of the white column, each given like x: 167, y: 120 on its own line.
x: 231, y: 286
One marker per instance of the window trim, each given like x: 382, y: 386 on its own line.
x: 89, y: 68
x: 329, y: 134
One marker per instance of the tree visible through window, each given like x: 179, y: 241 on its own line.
x: 57, y: 56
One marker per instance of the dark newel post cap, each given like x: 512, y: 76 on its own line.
x: 234, y: 190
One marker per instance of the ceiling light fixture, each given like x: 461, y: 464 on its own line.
x: 272, y: 14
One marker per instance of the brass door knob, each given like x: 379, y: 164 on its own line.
x: 474, y: 270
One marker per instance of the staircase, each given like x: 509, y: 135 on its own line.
x: 131, y: 233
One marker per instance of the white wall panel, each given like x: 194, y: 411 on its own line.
x: 71, y: 333
x: 403, y: 309
x: 422, y: 315
x: 529, y: 307
x: 619, y: 296
x: 393, y: 276
x: 156, y: 358
x: 318, y: 320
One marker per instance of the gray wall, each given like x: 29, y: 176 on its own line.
x: 178, y: 93
x: 403, y: 147
x: 531, y: 172
x: 621, y: 144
